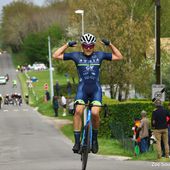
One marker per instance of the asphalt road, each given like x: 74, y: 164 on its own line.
x: 29, y: 141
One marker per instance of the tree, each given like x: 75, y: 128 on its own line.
x: 128, y: 24
x: 14, y: 23
x: 21, y: 18
x: 36, y: 44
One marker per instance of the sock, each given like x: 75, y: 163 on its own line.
x: 77, y: 136
x: 95, y: 133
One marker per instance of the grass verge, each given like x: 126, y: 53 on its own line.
x: 107, y: 146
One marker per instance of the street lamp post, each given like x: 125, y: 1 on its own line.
x: 79, y: 11
x: 50, y: 68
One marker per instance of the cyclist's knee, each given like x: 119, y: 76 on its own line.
x: 79, y: 110
x: 95, y: 111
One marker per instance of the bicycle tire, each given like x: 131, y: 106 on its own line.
x: 85, y: 148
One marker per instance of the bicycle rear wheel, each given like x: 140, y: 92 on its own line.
x: 85, y: 148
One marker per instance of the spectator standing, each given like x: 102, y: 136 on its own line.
x: 69, y: 88
x: 57, y: 88
x: 144, y: 132
x: 136, y: 137
x: 158, y: 121
x: 55, y: 105
x: 63, y: 103
x: 47, y: 96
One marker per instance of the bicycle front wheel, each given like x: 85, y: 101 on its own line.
x: 85, y: 148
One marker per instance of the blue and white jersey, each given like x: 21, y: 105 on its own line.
x: 88, y: 67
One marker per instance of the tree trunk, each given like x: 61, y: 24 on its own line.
x: 127, y: 92
x: 112, y: 91
x: 73, y: 79
x: 120, y: 93
x: 115, y: 92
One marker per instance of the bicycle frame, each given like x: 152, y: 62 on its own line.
x: 87, y: 122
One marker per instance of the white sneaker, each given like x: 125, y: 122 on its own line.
x: 64, y: 114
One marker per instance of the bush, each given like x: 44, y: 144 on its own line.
x: 121, y: 117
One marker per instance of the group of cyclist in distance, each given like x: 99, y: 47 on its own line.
x: 89, y: 89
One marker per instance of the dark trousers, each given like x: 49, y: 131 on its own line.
x: 144, y: 145
x: 56, y: 112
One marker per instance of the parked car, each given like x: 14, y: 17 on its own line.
x: 3, y: 80
x: 39, y: 66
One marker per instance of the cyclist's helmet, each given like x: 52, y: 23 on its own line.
x: 88, y: 39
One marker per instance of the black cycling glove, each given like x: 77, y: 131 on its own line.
x: 106, y: 42
x: 71, y: 43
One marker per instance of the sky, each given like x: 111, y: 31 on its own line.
x: 5, y: 2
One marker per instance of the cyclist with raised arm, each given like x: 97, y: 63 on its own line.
x: 89, y: 90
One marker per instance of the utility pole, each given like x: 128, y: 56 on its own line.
x: 157, y: 42
x: 50, y: 68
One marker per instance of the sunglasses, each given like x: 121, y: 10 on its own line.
x: 86, y: 46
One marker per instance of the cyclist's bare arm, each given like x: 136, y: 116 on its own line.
x: 116, y: 55
x: 59, y: 53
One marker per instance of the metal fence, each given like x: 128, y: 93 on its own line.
x: 117, y: 132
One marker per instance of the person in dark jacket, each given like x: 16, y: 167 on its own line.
x: 57, y: 88
x: 55, y: 105
x: 47, y: 95
x: 159, y: 123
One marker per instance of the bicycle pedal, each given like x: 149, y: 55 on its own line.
x: 80, y: 151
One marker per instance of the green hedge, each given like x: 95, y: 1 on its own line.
x: 121, y: 117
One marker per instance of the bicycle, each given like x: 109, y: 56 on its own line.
x: 86, y: 140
